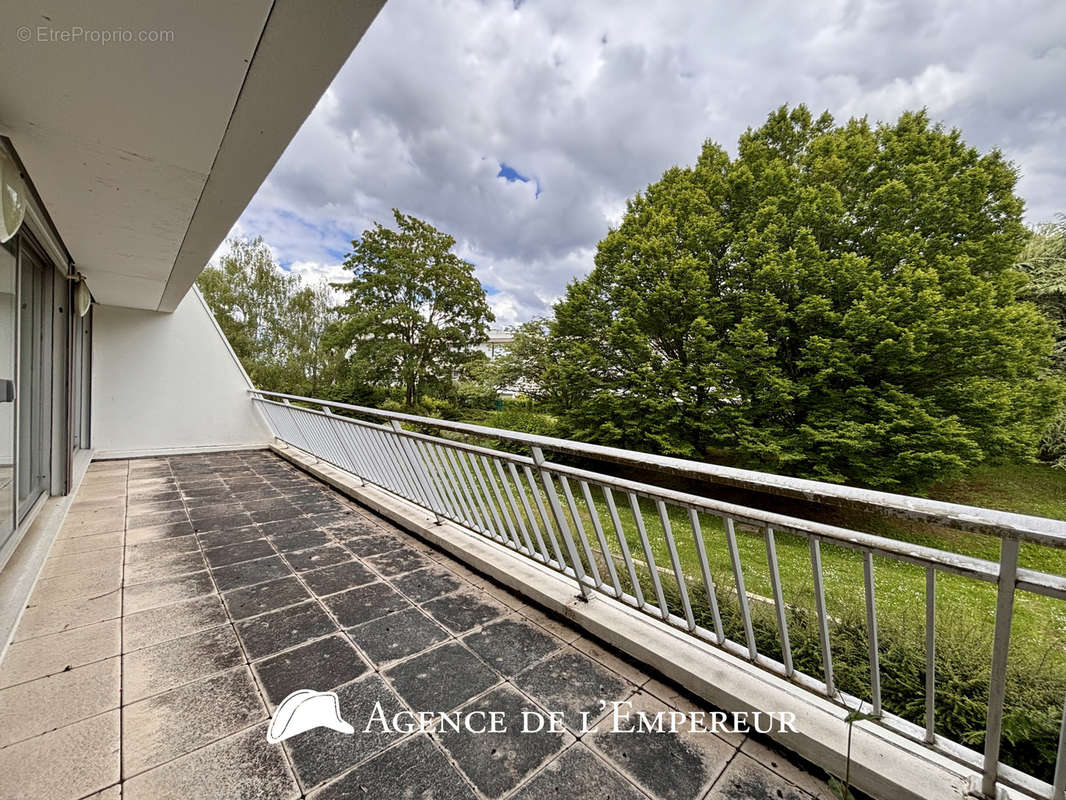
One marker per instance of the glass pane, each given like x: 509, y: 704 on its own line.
x: 8, y: 319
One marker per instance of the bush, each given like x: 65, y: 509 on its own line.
x: 1053, y: 443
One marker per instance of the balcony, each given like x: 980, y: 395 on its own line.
x: 186, y: 596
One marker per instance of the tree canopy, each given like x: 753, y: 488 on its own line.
x: 836, y: 301
x: 274, y: 323
x: 415, y: 313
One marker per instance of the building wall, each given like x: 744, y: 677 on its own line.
x: 168, y: 383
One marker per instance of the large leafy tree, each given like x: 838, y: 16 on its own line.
x: 836, y: 301
x: 274, y: 323
x: 415, y: 313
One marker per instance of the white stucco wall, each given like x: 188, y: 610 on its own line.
x: 167, y: 383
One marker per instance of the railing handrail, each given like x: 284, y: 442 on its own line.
x: 1041, y: 530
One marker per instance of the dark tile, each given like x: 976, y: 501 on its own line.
x: 746, y: 779
x: 399, y: 561
x: 140, y: 596
x: 571, y: 682
x: 248, y: 572
x: 232, y: 536
x: 441, y: 679
x: 320, y: 754
x: 161, y: 548
x: 511, y: 645
x: 320, y: 665
x: 154, y: 496
x: 425, y: 584
x: 287, y: 511
x: 464, y: 610
x: 235, y: 553
x: 695, y: 759
x: 497, y: 762
x: 175, y: 662
x: 316, y: 557
x: 177, y: 722
x: 411, y: 769
x: 300, y: 540
x: 578, y: 775
x: 365, y: 603
x: 288, y: 526
x: 372, y: 545
x: 226, y: 523
x: 163, y: 566
x: 264, y: 597
x: 397, y: 635
x: 355, y: 528
x: 279, y: 630
x: 215, y: 511
x: 338, y: 578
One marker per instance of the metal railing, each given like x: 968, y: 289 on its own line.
x: 594, y: 528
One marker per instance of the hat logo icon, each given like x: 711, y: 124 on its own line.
x: 303, y: 710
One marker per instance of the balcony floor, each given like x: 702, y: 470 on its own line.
x: 186, y: 596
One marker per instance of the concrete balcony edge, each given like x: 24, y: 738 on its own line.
x: 884, y: 764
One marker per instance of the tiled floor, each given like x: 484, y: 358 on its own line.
x: 185, y: 597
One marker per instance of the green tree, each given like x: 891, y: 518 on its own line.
x: 836, y: 302
x: 530, y: 365
x: 1043, y: 261
x: 275, y: 325
x: 415, y: 313
x: 249, y: 295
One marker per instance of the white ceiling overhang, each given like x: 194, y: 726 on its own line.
x: 144, y: 153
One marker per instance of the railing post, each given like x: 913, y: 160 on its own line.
x: 997, y: 687
x: 418, y: 470
x: 560, y: 520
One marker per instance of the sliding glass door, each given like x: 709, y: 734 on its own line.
x: 8, y: 338
x: 34, y: 460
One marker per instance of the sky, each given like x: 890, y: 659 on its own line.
x: 520, y: 127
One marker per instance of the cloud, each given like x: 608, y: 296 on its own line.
x: 521, y: 128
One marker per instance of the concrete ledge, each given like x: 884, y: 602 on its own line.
x: 884, y: 765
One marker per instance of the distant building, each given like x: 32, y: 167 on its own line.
x: 498, y: 343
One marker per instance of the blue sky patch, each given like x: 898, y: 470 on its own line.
x: 510, y: 174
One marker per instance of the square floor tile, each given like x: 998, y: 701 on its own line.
x: 511, y: 644
x: 300, y: 540
x: 236, y: 553
x: 372, y: 545
x: 175, y: 723
x: 316, y: 557
x: 573, y: 683
x: 30, y: 709
x: 497, y: 762
x: 169, y: 622
x: 263, y: 597
x: 337, y: 578
x: 441, y: 679
x: 66, y: 763
x: 398, y: 561
x: 248, y: 573
x: 397, y: 635
x: 161, y: 667
x: 695, y: 759
x: 320, y: 665
x: 464, y: 610
x: 243, y: 765
x: 364, y: 603
x: 579, y: 775
x: 152, y: 594
x: 320, y: 754
x: 282, y: 629
x: 425, y: 584
x: 413, y: 768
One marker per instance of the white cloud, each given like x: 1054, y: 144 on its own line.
x: 593, y: 101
